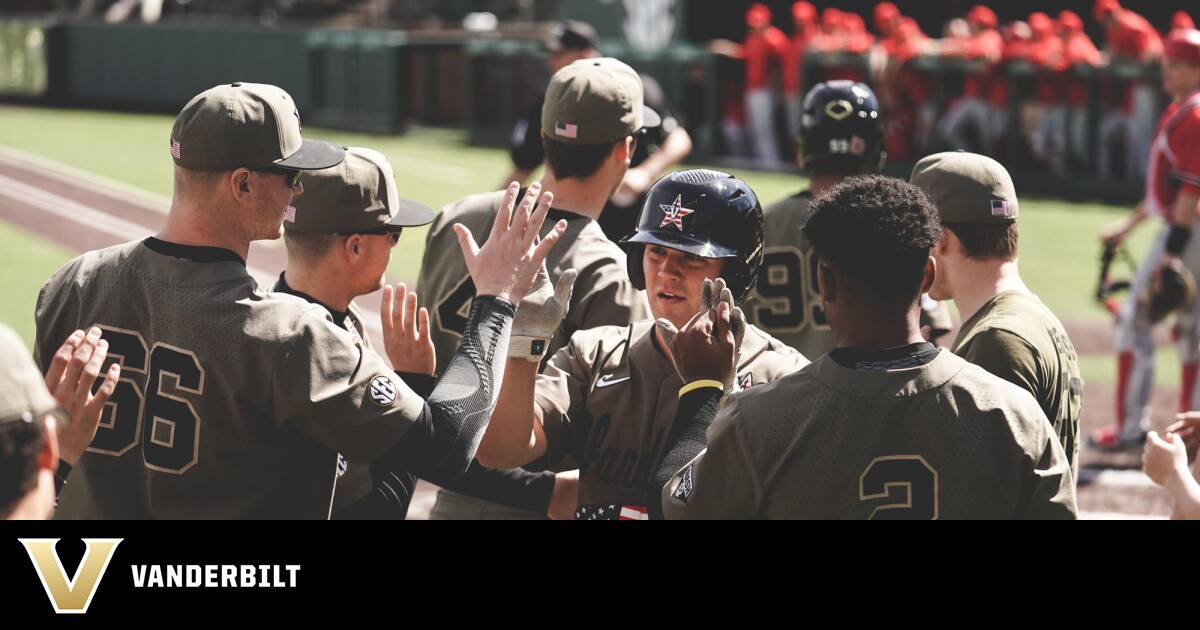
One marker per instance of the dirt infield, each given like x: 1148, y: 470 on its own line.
x: 82, y: 212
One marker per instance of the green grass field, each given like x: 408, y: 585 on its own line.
x: 1059, y: 249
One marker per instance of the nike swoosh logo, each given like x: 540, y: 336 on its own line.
x: 607, y: 380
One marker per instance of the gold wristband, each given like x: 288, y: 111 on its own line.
x: 698, y: 384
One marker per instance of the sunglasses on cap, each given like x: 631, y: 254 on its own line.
x: 291, y: 175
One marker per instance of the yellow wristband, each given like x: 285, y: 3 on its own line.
x: 698, y: 384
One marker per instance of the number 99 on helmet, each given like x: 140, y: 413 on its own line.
x: 841, y: 131
x: 706, y: 213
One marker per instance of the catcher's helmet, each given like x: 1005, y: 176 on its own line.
x: 840, y: 129
x: 706, y: 213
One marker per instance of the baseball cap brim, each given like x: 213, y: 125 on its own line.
x: 411, y: 214
x: 650, y: 118
x: 314, y: 155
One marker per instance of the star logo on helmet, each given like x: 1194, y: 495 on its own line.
x: 675, y: 213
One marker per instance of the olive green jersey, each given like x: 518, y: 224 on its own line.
x: 1015, y: 337
x: 608, y: 398
x: 940, y: 440
x: 232, y: 403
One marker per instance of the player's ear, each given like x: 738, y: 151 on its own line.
x: 352, y: 247
x: 48, y: 456
x: 826, y: 282
x: 930, y: 275
x: 239, y: 182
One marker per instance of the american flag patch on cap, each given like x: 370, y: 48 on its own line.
x: 175, y: 148
x: 289, y: 215
x: 566, y: 130
x: 1003, y: 208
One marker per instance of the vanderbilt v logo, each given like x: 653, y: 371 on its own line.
x: 73, y: 596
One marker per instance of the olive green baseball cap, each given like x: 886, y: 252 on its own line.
x: 358, y: 194
x: 23, y: 394
x: 967, y: 187
x: 596, y: 100
x: 250, y: 125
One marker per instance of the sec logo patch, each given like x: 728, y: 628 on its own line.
x: 382, y: 391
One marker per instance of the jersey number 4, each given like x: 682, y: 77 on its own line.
x: 788, y: 293
x: 453, y: 310
x: 167, y: 426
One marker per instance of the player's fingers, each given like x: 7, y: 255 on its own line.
x: 536, y: 219
x: 79, y: 358
x: 410, y: 314
x: 738, y: 323
x: 466, y: 241
x: 91, y: 370
x: 543, y: 248
x: 386, y: 308
x: 423, y: 320
x: 520, y: 218
x: 58, y: 365
x: 706, y: 294
x: 101, y: 396
x: 504, y: 213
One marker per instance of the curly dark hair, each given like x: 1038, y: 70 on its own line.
x: 877, y: 232
x: 20, y: 443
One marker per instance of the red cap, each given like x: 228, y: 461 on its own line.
x: 1105, y: 8
x: 758, y: 15
x: 831, y: 18
x: 982, y: 16
x: 804, y: 11
x: 1183, y: 45
x: 1070, y: 21
x: 1041, y: 23
x: 1181, y: 20
x: 854, y: 22
x: 885, y: 12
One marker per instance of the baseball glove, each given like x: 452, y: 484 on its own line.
x: 1171, y: 288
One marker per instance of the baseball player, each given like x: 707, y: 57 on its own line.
x: 47, y: 423
x: 606, y: 400
x: 591, y: 121
x: 1006, y: 329
x: 235, y: 403
x: 886, y: 425
x: 658, y: 149
x: 339, y: 239
x: 1172, y: 191
x: 841, y: 134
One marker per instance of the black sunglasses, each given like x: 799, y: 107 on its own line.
x: 290, y: 174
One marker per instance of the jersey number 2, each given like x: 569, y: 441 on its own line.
x: 908, y: 481
x: 167, y: 426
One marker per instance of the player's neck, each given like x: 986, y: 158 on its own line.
x: 820, y: 182
x: 585, y: 197
x: 189, y: 224
x: 879, y: 327
x: 979, y: 282
x: 328, y: 288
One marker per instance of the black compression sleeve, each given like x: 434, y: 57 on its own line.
x: 421, y: 384
x: 687, y: 438
x: 60, y: 478
x: 441, y: 444
x: 515, y: 488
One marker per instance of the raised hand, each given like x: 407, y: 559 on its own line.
x: 1164, y: 458
x: 706, y: 348
x: 406, y: 331
x: 70, y: 379
x: 540, y: 313
x: 507, y: 263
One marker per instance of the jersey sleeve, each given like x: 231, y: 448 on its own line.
x: 1187, y: 152
x: 327, y: 385
x: 560, y: 400
x: 1006, y: 355
x: 56, y: 316
x: 721, y: 482
x: 1048, y: 484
